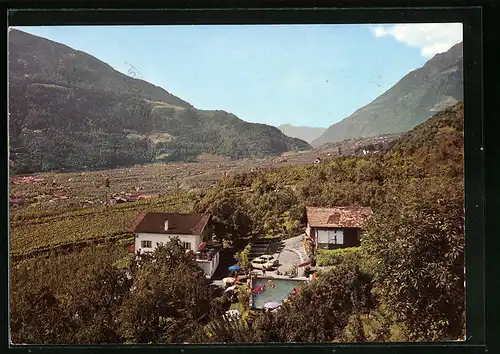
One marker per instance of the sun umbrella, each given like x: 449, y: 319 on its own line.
x: 228, y: 280
x: 230, y: 288
x: 234, y: 268
x: 202, y: 246
x: 272, y: 305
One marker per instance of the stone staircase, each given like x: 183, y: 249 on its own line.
x: 265, y: 246
x: 259, y: 247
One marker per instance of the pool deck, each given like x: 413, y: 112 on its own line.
x: 274, y: 276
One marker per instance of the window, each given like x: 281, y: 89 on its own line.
x: 159, y: 244
x: 335, y: 237
x: 186, y: 245
x: 146, y: 244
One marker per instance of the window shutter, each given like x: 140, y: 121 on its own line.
x: 322, y: 236
x: 340, y: 237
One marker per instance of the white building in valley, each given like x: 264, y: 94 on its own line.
x: 193, y: 230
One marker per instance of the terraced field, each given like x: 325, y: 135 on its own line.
x: 33, y: 233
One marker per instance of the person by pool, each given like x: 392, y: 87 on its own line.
x: 294, y: 291
x: 259, y: 289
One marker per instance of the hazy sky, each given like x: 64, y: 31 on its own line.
x: 313, y: 75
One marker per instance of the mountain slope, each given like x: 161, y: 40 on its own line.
x: 67, y: 109
x: 417, y: 96
x: 44, y: 62
x: 441, y: 135
x: 305, y: 133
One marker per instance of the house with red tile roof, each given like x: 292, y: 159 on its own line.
x: 193, y: 230
x: 338, y: 227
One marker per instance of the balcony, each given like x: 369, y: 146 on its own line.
x: 209, y: 252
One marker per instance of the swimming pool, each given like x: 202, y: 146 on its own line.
x: 278, y: 293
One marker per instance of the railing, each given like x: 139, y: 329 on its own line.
x: 206, y: 256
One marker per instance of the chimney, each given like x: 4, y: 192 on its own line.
x: 166, y: 225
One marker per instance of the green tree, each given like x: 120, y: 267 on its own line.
x: 169, y: 297
x: 231, y: 214
x: 415, y: 245
x: 321, y: 310
x: 38, y: 317
x: 94, y: 303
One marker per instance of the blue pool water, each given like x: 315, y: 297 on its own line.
x: 280, y: 292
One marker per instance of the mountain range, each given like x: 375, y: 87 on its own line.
x: 417, y: 96
x: 304, y: 133
x: 69, y: 110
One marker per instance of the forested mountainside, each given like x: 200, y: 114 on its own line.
x: 70, y: 110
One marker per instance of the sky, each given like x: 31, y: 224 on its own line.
x: 308, y: 75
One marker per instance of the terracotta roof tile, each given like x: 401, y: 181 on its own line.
x: 184, y: 224
x: 342, y: 217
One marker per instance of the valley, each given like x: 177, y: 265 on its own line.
x: 53, y: 190
x: 59, y: 248
x: 136, y: 217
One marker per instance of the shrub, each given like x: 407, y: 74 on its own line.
x: 335, y: 257
x: 219, y: 306
x: 307, y: 271
x: 244, y: 298
x: 242, y: 256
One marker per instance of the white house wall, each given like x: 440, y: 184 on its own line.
x: 194, y: 240
x: 209, y: 267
